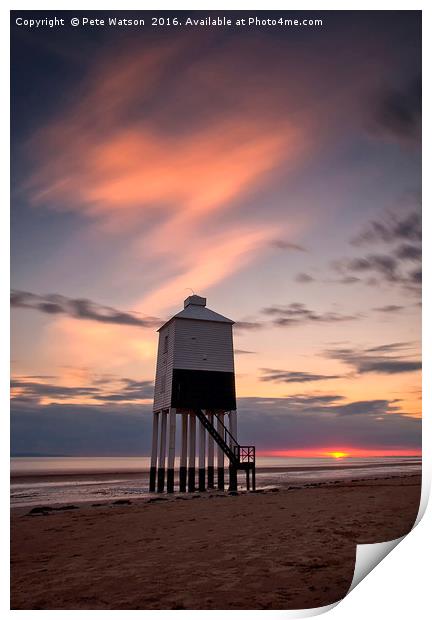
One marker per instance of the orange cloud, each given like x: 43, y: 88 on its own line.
x: 110, y: 159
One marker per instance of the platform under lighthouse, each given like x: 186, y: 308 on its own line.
x: 195, y: 385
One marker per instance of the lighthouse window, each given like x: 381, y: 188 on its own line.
x: 163, y: 384
x: 165, y: 349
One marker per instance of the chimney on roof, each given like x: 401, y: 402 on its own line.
x: 195, y: 300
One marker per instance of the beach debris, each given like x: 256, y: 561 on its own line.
x: 121, y: 502
x: 37, y: 510
x: 44, y: 510
x: 68, y: 507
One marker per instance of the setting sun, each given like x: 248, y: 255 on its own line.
x: 337, y: 455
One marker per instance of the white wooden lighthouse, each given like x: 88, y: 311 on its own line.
x: 195, y: 384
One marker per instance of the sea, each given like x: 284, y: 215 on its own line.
x: 72, y: 480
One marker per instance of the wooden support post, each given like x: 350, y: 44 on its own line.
x: 201, y: 458
x: 171, y: 450
x: 232, y: 478
x: 220, y: 454
x: 183, y: 453
x: 153, y: 459
x: 210, y: 456
x: 253, y: 478
x: 248, y: 479
x: 162, y: 453
x: 192, y: 443
x: 232, y: 426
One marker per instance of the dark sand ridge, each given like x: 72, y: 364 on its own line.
x: 274, y: 550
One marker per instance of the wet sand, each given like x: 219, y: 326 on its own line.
x: 282, y: 549
x: 79, y: 476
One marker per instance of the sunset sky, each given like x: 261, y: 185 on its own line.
x: 274, y: 171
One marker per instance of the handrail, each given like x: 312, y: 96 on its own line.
x: 237, y: 454
x: 227, y: 432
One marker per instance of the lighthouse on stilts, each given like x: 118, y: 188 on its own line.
x: 195, y: 385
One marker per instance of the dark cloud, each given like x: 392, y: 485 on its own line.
x: 385, y: 359
x: 401, y: 237
x: 304, y: 421
x: 286, y: 376
x: 304, y: 278
x: 36, y: 390
x: 287, y: 245
x: 296, y: 313
x: 243, y: 352
x: 80, y: 309
x: 383, y: 269
x: 415, y: 276
x: 33, y: 391
x: 323, y: 404
x: 295, y: 422
x: 409, y: 252
x: 392, y: 228
x: 384, y: 265
x: 70, y: 430
x: 398, y: 111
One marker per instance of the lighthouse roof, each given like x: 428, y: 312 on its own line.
x: 195, y: 308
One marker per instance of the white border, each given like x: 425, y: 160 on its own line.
x: 400, y: 585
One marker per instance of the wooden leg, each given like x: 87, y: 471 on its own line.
x: 153, y: 459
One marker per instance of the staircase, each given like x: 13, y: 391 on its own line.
x: 240, y: 457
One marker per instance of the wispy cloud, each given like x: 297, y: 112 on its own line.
x: 398, y: 259
x: 286, y: 376
x: 281, y: 244
x: 243, y: 352
x: 129, y: 174
x: 387, y: 359
x: 80, y: 309
x: 304, y: 278
x: 248, y: 325
x: 389, y: 309
x: 391, y: 228
x: 296, y: 313
x: 26, y: 390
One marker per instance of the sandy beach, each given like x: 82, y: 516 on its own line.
x: 281, y: 549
